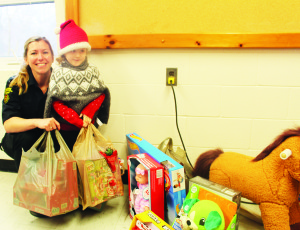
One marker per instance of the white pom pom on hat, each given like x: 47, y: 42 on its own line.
x: 57, y: 30
x: 72, y: 37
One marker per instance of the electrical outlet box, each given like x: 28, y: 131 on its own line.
x: 171, y: 76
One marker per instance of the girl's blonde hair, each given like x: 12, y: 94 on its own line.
x: 62, y: 57
x: 22, y: 78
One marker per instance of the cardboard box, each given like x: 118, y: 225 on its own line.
x: 148, y: 220
x: 226, y: 198
x: 175, y: 190
x: 150, y: 195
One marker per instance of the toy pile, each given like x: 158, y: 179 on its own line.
x: 172, y: 173
x: 206, y: 206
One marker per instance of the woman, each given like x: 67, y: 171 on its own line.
x: 24, y: 100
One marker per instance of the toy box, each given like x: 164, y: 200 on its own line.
x: 175, y: 191
x: 227, y: 200
x: 147, y: 194
x: 150, y: 221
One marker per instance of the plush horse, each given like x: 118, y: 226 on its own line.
x: 271, y: 179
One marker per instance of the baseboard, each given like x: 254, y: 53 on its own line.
x: 9, y: 166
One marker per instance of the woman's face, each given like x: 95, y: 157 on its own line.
x: 39, y: 58
x: 76, y: 57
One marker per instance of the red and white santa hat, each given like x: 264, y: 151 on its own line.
x: 71, y: 37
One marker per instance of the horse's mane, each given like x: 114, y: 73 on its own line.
x: 281, y: 138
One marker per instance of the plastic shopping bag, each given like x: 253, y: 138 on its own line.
x: 99, y: 168
x: 179, y: 155
x: 47, y: 181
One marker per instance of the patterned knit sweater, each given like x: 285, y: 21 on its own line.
x: 76, y: 87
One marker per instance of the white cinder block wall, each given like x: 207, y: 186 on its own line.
x: 236, y: 99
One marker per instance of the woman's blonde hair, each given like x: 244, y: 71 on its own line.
x: 60, y: 59
x: 22, y: 78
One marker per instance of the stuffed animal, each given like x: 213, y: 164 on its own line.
x: 271, y: 179
x: 201, y: 215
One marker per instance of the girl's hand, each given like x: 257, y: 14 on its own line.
x: 86, y: 120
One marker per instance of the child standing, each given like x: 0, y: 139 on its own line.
x: 76, y: 95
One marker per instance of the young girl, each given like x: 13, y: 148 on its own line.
x: 76, y: 95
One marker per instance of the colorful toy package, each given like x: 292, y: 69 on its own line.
x: 145, y: 185
x: 148, y: 220
x: 215, y: 204
x: 175, y: 190
x: 102, y: 183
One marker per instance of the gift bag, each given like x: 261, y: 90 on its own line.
x: 47, y: 181
x: 99, y: 168
x: 166, y: 146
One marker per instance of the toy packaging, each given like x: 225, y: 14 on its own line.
x: 145, y: 185
x: 148, y: 220
x: 216, y: 205
x: 175, y: 190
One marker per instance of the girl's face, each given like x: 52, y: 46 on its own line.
x: 76, y: 57
x: 39, y: 58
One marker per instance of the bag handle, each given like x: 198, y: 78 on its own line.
x: 168, y: 142
x: 66, y: 155
x: 100, y: 139
x: 50, y: 155
x: 59, y: 138
x: 36, y: 144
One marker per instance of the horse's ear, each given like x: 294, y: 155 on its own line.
x: 285, y: 154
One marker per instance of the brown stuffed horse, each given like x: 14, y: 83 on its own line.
x: 271, y: 179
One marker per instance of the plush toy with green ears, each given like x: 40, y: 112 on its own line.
x: 202, y: 215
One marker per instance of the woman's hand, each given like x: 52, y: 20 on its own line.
x: 86, y: 120
x: 17, y: 124
x: 48, y: 124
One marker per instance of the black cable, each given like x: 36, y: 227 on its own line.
x: 178, y: 127
x: 245, y: 202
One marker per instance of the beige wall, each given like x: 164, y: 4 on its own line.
x: 237, y: 99
x: 192, y: 16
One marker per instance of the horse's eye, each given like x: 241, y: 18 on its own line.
x: 202, y: 222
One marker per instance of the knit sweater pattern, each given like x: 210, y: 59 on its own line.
x: 75, y: 88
